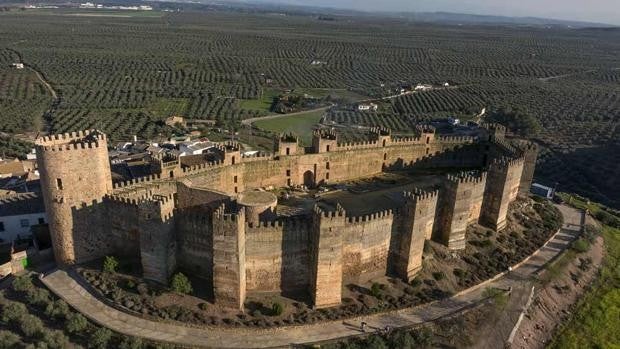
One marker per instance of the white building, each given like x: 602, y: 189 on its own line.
x: 18, y: 213
x: 423, y: 87
x: 194, y: 148
x: 18, y: 65
x: 368, y: 106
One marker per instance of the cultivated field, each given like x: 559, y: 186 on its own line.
x: 124, y: 75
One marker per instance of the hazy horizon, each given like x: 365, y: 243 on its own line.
x: 602, y: 11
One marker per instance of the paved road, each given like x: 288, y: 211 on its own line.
x: 68, y: 289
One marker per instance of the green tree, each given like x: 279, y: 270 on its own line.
x: 110, y: 264
x: 131, y: 343
x: 8, y: 339
x: 375, y: 289
x: 56, y: 340
x: 31, y: 326
x: 100, y: 338
x: 181, y: 284
x: 76, y: 323
x: 22, y: 283
x: 58, y: 309
x: 277, y: 309
x: 13, y: 311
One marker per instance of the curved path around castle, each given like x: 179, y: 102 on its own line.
x: 519, y: 280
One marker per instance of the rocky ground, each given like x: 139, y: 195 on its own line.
x: 554, y: 301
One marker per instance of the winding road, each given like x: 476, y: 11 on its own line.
x: 519, y: 280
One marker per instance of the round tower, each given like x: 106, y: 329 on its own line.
x: 75, y: 171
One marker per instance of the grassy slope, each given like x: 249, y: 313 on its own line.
x: 301, y: 125
x: 596, y: 323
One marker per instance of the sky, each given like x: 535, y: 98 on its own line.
x: 603, y: 11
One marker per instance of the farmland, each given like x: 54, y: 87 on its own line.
x: 125, y: 75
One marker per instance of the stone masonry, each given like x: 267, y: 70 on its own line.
x: 205, y: 219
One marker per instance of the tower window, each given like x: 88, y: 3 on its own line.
x: 428, y: 140
x: 236, y: 190
x: 288, y: 151
x: 384, y: 156
x: 327, y: 165
x: 327, y: 148
x: 233, y: 160
x: 288, y: 173
x: 58, y: 183
x: 327, y: 176
x: 235, y: 179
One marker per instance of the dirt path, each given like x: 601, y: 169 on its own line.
x: 553, y: 303
x: 248, y: 122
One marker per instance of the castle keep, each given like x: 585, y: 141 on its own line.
x: 211, y: 220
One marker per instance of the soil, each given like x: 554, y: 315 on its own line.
x: 553, y: 303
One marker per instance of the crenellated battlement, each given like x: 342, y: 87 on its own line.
x: 493, y: 126
x: 358, y: 145
x: 420, y: 195
x: 381, y: 215
x: 90, y: 139
x: 456, y: 139
x: 507, y: 162
x: 505, y: 145
x: 465, y: 177
x: 325, y: 134
x: 220, y: 214
x: 294, y: 223
x: 380, y: 131
x: 425, y: 129
x: 258, y: 157
x: 203, y: 167
x: 339, y: 212
x: 228, y: 146
x: 139, y: 180
x: 288, y: 137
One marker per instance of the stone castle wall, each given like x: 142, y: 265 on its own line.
x: 187, y: 218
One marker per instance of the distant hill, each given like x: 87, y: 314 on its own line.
x: 462, y: 18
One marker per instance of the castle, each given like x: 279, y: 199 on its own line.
x: 208, y: 219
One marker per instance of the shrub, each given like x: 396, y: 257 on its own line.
x: 22, y: 283
x: 402, y: 339
x: 31, y: 326
x: 203, y: 306
x: 56, y: 340
x: 8, y: 339
x: 110, y: 264
x: 131, y: 343
x: 58, y: 309
x: 38, y: 296
x: 277, y: 309
x: 375, y: 289
x: 439, y: 275
x: 416, y: 282
x: 181, y: 284
x: 13, y: 311
x: 100, y: 338
x: 581, y: 246
x: 459, y: 272
x: 76, y: 323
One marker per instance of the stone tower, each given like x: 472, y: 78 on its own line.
x: 287, y: 144
x: 530, y: 154
x: 324, y: 141
x: 75, y: 173
x: 460, y: 205
x: 503, y: 181
x: 417, y: 226
x: 229, y: 281
x: 326, y: 257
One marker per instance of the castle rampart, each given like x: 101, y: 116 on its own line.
x: 195, y: 218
